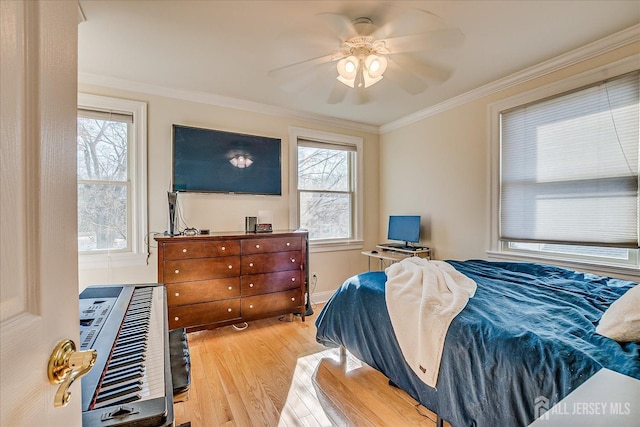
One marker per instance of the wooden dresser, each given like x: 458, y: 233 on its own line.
x: 222, y: 279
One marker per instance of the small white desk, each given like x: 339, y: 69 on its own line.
x: 606, y: 399
x: 394, y: 256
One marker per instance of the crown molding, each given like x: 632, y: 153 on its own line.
x: 591, y: 50
x: 221, y: 101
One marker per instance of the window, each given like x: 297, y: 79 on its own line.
x: 566, y: 185
x: 327, y: 187
x: 111, y: 180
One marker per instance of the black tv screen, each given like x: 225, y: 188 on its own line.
x: 213, y: 161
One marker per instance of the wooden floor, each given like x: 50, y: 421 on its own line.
x: 275, y: 374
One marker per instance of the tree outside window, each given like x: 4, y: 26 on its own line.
x: 103, y: 184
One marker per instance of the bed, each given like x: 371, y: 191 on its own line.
x: 529, y: 332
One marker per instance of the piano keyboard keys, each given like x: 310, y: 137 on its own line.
x: 127, y: 376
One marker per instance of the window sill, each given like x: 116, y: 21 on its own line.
x: 619, y: 271
x: 333, y: 246
x: 113, y: 260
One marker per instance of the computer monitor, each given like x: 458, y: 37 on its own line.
x: 405, y: 228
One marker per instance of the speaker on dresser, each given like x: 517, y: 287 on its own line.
x: 173, y: 201
x: 250, y: 223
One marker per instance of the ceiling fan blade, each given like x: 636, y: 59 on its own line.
x: 406, y: 80
x: 340, y: 25
x: 338, y: 93
x: 298, y: 82
x: 409, y: 21
x: 421, y: 68
x: 297, y: 68
x: 363, y: 96
x: 447, y: 38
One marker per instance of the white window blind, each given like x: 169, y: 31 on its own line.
x: 569, y: 167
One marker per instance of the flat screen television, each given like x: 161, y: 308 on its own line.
x: 213, y: 161
x: 405, y: 228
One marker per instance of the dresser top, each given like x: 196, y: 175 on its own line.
x: 231, y: 235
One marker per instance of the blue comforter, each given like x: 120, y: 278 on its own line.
x: 528, y: 332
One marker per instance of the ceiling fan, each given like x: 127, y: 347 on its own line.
x: 365, y: 53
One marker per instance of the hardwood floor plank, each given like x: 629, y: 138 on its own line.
x: 274, y: 373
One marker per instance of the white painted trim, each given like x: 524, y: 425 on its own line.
x: 137, y: 160
x: 351, y: 245
x: 599, y: 47
x: 113, y: 260
x: 222, y: 101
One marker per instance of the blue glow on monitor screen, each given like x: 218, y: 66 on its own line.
x: 405, y: 228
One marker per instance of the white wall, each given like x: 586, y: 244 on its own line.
x: 223, y: 212
x: 437, y: 167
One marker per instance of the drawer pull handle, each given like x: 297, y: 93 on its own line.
x: 230, y: 287
x: 184, y: 251
x: 176, y: 318
x: 293, y: 299
x: 250, y: 264
x: 223, y: 248
x: 251, y: 285
x: 288, y: 244
x: 250, y: 305
x: 230, y: 267
x: 177, y: 294
x: 177, y: 271
x: 293, y: 260
x: 293, y: 279
x: 229, y: 310
x: 257, y: 246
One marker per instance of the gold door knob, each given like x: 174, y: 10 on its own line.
x: 67, y: 365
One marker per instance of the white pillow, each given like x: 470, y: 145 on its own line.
x: 621, y: 321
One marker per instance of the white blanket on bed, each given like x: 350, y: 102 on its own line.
x: 423, y: 297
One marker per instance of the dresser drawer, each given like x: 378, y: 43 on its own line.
x: 201, y: 314
x: 194, y: 249
x: 270, y: 282
x: 187, y: 270
x: 202, y: 290
x: 271, y: 262
x: 258, y: 305
x: 277, y: 244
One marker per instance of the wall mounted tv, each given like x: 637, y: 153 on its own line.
x: 213, y: 161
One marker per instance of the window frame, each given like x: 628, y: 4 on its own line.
x: 500, y: 249
x: 356, y: 172
x: 137, y: 184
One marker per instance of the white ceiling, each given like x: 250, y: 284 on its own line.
x: 226, y: 48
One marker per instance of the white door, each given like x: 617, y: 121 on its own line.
x: 38, y: 227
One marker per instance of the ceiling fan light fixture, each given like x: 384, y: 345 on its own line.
x: 348, y: 67
x: 376, y: 65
